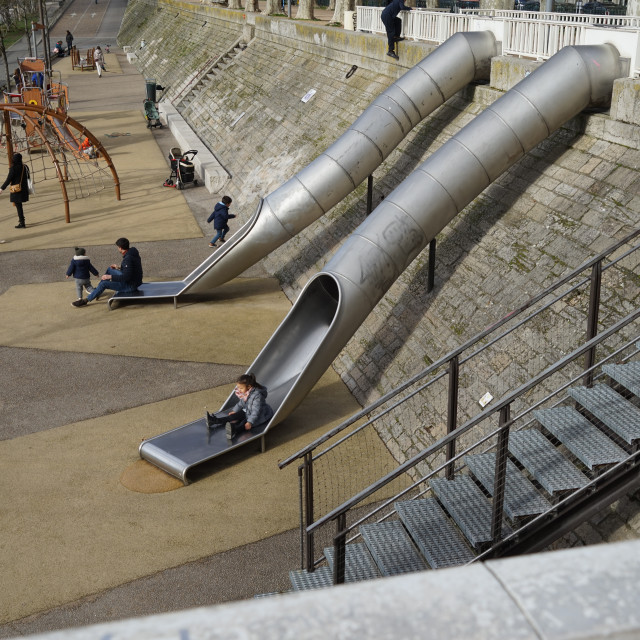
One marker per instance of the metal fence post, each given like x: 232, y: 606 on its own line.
x: 431, y: 273
x: 369, y: 194
x: 308, y: 493
x: 339, y: 549
x: 500, y: 474
x: 592, y: 319
x: 452, y: 411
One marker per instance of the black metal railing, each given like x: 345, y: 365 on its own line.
x: 591, y: 310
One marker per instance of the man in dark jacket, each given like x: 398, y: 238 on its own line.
x: 127, y: 278
x: 393, y: 24
x: 220, y: 216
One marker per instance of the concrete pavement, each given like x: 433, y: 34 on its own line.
x: 88, y: 532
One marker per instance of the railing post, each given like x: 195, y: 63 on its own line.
x: 308, y: 494
x: 340, y: 549
x: 500, y: 475
x: 431, y: 273
x: 592, y: 319
x: 452, y: 412
x: 369, y: 194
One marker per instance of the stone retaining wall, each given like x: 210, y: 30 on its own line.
x: 566, y: 201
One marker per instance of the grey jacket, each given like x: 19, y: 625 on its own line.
x: 255, y: 407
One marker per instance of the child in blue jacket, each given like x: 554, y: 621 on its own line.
x: 81, y: 268
x: 220, y: 216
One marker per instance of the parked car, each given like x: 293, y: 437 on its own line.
x: 604, y: 8
x: 527, y: 5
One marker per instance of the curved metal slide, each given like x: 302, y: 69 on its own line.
x: 334, y: 174
x: 336, y: 301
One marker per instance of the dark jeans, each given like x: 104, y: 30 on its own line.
x: 110, y: 284
x: 393, y: 27
x: 221, y: 234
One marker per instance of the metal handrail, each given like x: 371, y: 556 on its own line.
x: 465, y: 346
x: 507, y: 400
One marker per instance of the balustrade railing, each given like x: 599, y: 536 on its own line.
x: 530, y: 34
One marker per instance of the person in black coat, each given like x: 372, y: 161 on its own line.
x: 393, y: 24
x: 127, y: 278
x: 18, y: 175
x: 69, y: 39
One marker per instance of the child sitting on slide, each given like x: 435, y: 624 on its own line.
x: 250, y: 411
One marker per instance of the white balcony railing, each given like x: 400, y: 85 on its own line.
x: 522, y: 33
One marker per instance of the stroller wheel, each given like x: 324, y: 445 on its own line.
x: 195, y: 183
x: 179, y: 185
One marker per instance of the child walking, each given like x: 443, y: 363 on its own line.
x: 220, y: 216
x: 81, y: 268
x: 250, y: 411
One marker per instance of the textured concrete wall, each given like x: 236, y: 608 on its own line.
x: 566, y: 201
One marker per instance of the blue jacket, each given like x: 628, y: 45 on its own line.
x: 220, y: 216
x: 80, y: 268
x: 131, y: 268
x: 255, y: 407
x: 393, y: 9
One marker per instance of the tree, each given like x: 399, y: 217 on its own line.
x: 234, y: 4
x: 251, y: 6
x: 341, y: 7
x: 305, y: 10
x: 3, y: 53
x: 272, y: 6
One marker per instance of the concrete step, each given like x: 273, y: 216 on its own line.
x: 521, y: 498
x: 585, y: 441
x: 544, y: 462
x: 359, y: 564
x: 468, y: 507
x: 391, y: 548
x: 608, y: 406
x: 433, y: 533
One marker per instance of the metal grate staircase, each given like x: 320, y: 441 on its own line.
x: 495, y: 484
x: 562, y: 451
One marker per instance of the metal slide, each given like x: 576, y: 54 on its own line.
x: 334, y: 174
x: 336, y: 301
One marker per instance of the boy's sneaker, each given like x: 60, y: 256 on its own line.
x: 391, y: 54
x: 222, y: 240
x: 229, y: 430
x: 213, y: 245
x: 79, y: 303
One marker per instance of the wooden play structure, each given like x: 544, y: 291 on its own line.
x: 82, y: 63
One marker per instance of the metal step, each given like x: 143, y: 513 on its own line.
x: 544, y: 462
x: 359, y: 564
x: 433, y: 532
x: 468, y: 506
x: 521, y: 498
x: 302, y: 580
x: 628, y: 375
x: 608, y: 406
x: 587, y: 443
x: 391, y: 548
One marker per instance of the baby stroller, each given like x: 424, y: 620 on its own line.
x: 58, y: 50
x: 182, y: 169
x: 151, y: 114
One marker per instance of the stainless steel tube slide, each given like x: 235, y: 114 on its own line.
x: 347, y: 162
x: 337, y: 300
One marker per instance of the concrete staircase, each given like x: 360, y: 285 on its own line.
x: 200, y: 79
x: 564, y: 449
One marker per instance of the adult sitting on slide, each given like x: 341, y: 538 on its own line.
x: 125, y: 279
x: 393, y: 24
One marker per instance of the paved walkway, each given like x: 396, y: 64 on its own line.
x: 89, y: 532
